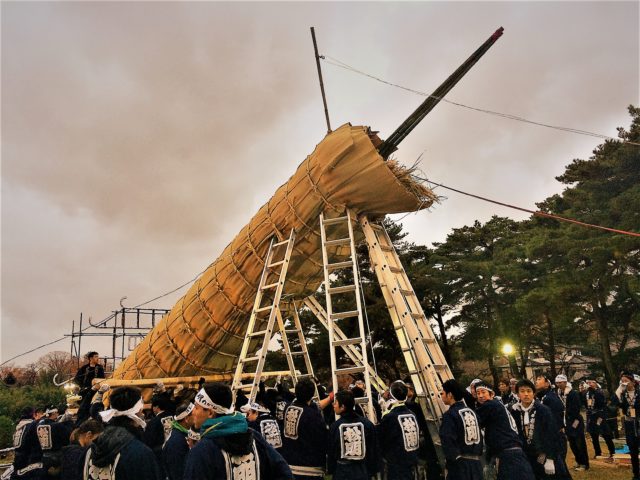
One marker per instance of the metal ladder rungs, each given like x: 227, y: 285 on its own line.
x: 264, y: 309
x: 339, y: 241
x: 270, y: 286
x: 346, y: 341
x: 348, y: 370
x: 338, y: 265
x: 290, y: 331
x: 343, y: 289
x: 276, y: 264
x: 250, y: 359
x: 284, y: 242
x: 296, y: 354
x: 333, y: 221
x: 341, y: 315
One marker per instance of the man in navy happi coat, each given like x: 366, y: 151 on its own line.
x: 228, y: 449
x: 460, y: 435
x: 399, y: 434
x: 504, y: 447
x: 176, y: 448
x: 304, y: 442
x: 597, y: 425
x: 574, y: 423
x: 539, y: 433
x: 628, y: 400
x: 353, y: 449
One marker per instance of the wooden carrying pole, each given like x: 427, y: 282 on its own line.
x: 192, y: 380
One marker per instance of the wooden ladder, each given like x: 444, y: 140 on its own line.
x: 427, y: 365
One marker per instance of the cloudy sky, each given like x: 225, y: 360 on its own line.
x: 138, y: 138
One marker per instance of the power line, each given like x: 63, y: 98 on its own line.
x: 534, y: 212
x: 338, y: 63
x: 103, y: 321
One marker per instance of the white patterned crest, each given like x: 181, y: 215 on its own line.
x: 291, y: 420
x: 167, y: 425
x: 44, y: 437
x: 108, y: 472
x: 243, y: 467
x: 271, y: 432
x: 471, y: 427
x: 352, y: 443
x: 19, y: 433
x: 410, y: 431
x: 280, y: 408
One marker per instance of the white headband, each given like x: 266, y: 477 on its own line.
x: 205, y: 401
x: 484, y: 386
x: 253, y: 406
x: 107, y: 415
x: 49, y: 411
x: 561, y: 378
x: 184, y: 414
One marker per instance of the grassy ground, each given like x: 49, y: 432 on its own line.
x: 598, y: 470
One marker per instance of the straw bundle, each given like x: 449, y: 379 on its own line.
x: 203, y: 333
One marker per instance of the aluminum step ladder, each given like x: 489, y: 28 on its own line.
x: 291, y: 355
x: 340, y: 254
x: 263, y: 317
x: 427, y: 365
x: 353, y: 353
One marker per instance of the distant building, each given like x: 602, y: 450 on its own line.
x: 569, y: 361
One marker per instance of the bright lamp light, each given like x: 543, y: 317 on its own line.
x: 507, y: 349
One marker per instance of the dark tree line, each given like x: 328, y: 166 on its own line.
x: 537, y: 283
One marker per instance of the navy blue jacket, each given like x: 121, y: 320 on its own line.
x: 551, y: 399
x: 398, y: 435
x: 304, y: 442
x: 541, y: 436
x: 27, y: 447
x: 500, y: 429
x: 572, y: 405
x: 353, y: 448
x: 460, y: 432
x: 595, y: 403
x: 269, y: 428
x: 136, y: 462
x: 623, y: 402
x: 207, y: 460
x: 174, y: 454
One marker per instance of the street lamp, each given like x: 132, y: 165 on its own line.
x: 507, y: 349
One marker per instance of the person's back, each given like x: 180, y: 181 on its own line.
x: 399, y: 435
x: 228, y: 449
x: 176, y: 448
x: 304, y: 442
x: 460, y: 434
x: 27, y: 454
x: 353, y: 449
x: 119, y: 453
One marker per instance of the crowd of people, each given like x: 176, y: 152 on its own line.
x: 520, y: 431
